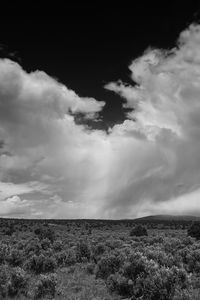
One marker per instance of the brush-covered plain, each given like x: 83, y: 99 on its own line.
x: 99, y: 259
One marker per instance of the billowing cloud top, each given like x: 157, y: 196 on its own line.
x: 51, y: 167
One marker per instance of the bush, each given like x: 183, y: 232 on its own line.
x: 194, y: 230
x: 15, y: 257
x: 108, y: 265
x: 58, y: 245
x: 18, y: 282
x: 45, y: 286
x: 9, y: 230
x: 138, y: 230
x: 44, y: 232
x: 33, y: 247
x: 45, y: 244
x: 162, y: 283
x: 71, y: 257
x: 136, y: 266
x: 119, y: 284
x: 140, y: 277
x: 4, y: 252
x: 12, y: 282
x: 61, y: 258
x: 99, y: 249
x: 4, y: 278
x: 82, y: 251
x: 41, y: 264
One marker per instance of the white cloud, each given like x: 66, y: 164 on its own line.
x: 164, y: 158
x: 14, y: 206
x: 9, y: 189
x: 42, y: 143
x: 148, y: 164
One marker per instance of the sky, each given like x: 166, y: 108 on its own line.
x: 100, y: 114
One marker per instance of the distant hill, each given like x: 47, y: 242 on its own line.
x: 168, y: 218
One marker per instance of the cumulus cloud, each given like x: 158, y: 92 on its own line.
x: 164, y: 161
x: 40, y: 142
x: 52, y: 167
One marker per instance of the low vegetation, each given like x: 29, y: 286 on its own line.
x: 108, y: 260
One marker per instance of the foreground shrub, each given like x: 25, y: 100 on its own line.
x: 108, y: 265
x: 18, y: 282
x: 4, y: 278
x: 187, y: 294
x: 45, y: 286
x: 119, y: 284
x: 139, y: 230
x: 140, y: 277
x: 161, y: 284
x: 136, y: 266
x: 12, y: 282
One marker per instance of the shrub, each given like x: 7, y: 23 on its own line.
x: 99, y: 249
x: 162, y: 283
x: 161, y: 257
x: 15, y: 257
x: 18, y: 282
x: 4, y: 252
x: 58, y: 245
x: 194, y: 230
x: 44, y: 232
x: 4, y: 278
x: 140, y: 277
x: 108, y: 265
x: 61, y: 258
x: 119, y: 284
x: 82, y: 251
x: 12, y: 281
x: 9, y: 230
x: 45, y: 244
x: 41, y: 264
x: 138, y: 230
x: 187, y: 294
x: 113, y: 243
x: 192, y: 259
x: 65, y: 258
x: 71, y: 257
x: 45, y: 286
x: 136, y: 266
x: 33, y: 247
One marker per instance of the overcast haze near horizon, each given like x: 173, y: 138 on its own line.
x: 67, y: 154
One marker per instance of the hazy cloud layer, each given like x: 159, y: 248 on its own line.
x: 52, y: 167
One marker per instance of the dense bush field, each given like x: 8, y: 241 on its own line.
x: 99, y: 260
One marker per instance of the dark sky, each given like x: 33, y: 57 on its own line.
x: 86, y: 48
